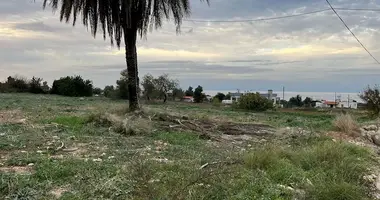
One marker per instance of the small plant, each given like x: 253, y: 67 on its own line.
x: 345, y: 123
x: 254, y: 102
x: 216, y: 102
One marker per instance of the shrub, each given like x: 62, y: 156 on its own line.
x: 108, y: 90
x: 126, y: 125
x: 35, y: 86
x: 72, y: 86
x: 345, y: 123
x: 16, y: 84
x: 371, y: 96
x: 254, y: 102
x: 198, y: 95
x: 216, y: 102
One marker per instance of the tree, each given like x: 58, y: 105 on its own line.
x: 307, y: 102
x: 164, y: 84
x: 17, y: 84
x: 296, y: 101
x: 35, y: 85
x: 45, y: 87
x: 72, y: 86
x: 178, y: 93
x: 122, y: 88
x: 371, y: 96
x: 108, y: 90
x: 228, y: 96
x: 148, y: 85
x: 198, y: 95
x: 189, y: 91
x: 123, y: 19
x: 254, y: 102
x: 220, y: 96
x: 97, y: 91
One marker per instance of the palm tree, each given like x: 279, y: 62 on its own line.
x: 128, y: 18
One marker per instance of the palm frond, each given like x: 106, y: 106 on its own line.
x: 116, y: 16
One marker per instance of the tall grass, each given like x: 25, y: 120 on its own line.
x: 325, y: 170
x: 347, y: 124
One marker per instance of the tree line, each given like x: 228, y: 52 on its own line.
x: 152, y: 88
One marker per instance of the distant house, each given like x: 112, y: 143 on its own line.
x: 236, y: 96
x: 189, y: 99
x: 348, y: 104
x: 336, y: 104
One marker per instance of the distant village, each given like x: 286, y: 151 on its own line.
x: 338, y: 102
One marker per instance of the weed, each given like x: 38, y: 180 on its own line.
x: 345, y: 123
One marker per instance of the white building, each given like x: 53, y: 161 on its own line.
x: 269, y: 95
x: 348, y: 104
x: 352, y: 104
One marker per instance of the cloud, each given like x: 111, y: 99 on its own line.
x: 310, y: 50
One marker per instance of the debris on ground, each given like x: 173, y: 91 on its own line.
x: 58, y: 192
x: 12, y: 117
x: 22, y: 170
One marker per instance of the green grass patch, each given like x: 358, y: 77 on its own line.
x: 74, y: 123
x: 335, y: 170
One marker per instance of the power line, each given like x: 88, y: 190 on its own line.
x: 351, y: 32
x: 283, y: 17
x: 260, y: 19
x: 358, y: 9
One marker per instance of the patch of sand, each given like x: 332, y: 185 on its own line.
x: 24, y: 170
x: 12, y: 117
x: 58, y: 192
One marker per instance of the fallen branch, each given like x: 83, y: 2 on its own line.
x: 60, y: 147
x: 221, y: 162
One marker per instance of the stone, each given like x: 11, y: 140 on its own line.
x: 370, y: 128
x: 376, y: 139
x: 31, y: 164
x: 97, y: 160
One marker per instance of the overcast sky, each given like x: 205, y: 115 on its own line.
x: 313, y: 53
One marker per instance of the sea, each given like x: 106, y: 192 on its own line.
x: 331, y: 96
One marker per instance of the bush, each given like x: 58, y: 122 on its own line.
x: 35, y: 86
x: 15, y: 84
x: 72, y: 86
x: 216, y: 102
x: 345, y: 123
x: 254, y: 102
x: 371, y: 96
x: 198, y: 95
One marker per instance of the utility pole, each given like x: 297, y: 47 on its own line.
x: 348, y: 102
x: 283, y: 93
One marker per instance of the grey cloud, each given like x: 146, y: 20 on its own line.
x: 37, y: 26
x: 19, y: 7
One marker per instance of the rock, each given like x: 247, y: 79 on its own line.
x: 31, y: 164
x: 81, y: 98
x: 97, y: 160
x: 376, y: 139
x: 370, y: 128
x: 377, y: 184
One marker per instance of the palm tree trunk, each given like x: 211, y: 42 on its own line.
x: 130, y: 37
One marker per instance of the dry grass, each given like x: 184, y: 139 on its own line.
x: 132, y: 124
x: 346, y: 124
